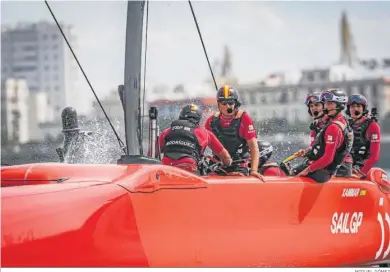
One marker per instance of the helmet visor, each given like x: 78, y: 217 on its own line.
x: 312, y: 98
x: 358, y: 99
x: 331, y: 97
x: 227, y: 101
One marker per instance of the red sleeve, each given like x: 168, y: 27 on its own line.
x: 214, y: 144
x: 161, y: 139
x: 312, y: 137
x: 203, y: 137
x: 373, y: 134
x: 207, y: 125
x: 333, y: 139
x: 247, y: 128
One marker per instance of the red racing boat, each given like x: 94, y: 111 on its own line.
x: 160, y: 216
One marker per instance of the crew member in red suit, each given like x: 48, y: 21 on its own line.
x: 185, y: 141
x: 332, y: 146
x: 367, y: 135
x: 235, y: 130
x: 315, y: 108
x: 267, y: 167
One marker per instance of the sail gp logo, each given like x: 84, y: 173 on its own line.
x: 346, y: 222
x: 382, y: 219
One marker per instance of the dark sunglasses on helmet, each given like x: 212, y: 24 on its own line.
x: 331, y: 97
x: 226, y: 102
x: 356, y: 99
x: 310, y: 98
x: 327, y: 96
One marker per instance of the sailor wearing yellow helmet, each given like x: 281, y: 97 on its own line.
x: 234, y: 128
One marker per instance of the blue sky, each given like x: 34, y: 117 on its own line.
x: 264, y: 37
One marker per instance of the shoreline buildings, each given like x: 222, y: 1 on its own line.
x: 37, y: 54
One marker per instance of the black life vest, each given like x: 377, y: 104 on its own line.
x: 361, y: 147
x: 230, y: 137
x: 315, y: 127
x: 181, y: 141
x: 317, y: 150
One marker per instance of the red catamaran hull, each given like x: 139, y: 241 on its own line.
x: 160, y: 216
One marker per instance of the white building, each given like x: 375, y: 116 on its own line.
x: 14, y: 111
x: 39, y: 112
x: 287, y: 101
x: 281, y: 95
x: 112, y: 106
x: 38, y: 53
x: 22, y: 111
x: 181, y: 91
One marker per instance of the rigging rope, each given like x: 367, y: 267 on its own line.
x: 121, y: 144
x: 204, y: 47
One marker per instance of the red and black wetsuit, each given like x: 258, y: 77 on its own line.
x: 316, y: 127
x: 330, y: 149
x: 184, y: 142
x: 366, y: 146
x: 233, y: 132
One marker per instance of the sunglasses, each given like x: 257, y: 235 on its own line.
x: 226, y: 102
x: 356, y: 99
x: 330, y: 97
x: 312, y: 99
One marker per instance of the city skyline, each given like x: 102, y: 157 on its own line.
x: 264, y: 37
x: 38, y: 53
